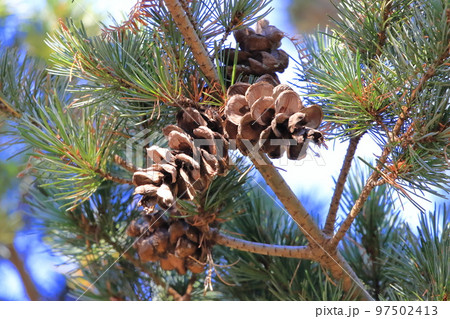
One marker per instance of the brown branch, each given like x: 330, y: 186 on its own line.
x: 355, y: 210
x: 192, y: 39
x: 6, y: 108
x: 300, y: 252
x: 123, y: 163
x: 319, y: 244
x: 340, y: 269
x: 30, y: 288
x: 287, y: 197
x: 115, y: 179
x: 382, y: 33
x: 431, y: 71
x: 340, y: 183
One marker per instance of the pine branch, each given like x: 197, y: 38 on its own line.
x: 431, y: 71
x: 30, y: 288
x: 334, y: 206
x: 115, y: 179
x: 187, y: 29
x: 384, y: 25
x: 340, y: 269
x: 5, y: 108
x: 326, y: 254
x: 345, y: 226
x: 373, y: 180
x: 287, y: 197
x: 300, y: 252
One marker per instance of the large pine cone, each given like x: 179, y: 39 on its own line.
x: 259, y: 52
x: 198, y: 152
x: 272, y: 116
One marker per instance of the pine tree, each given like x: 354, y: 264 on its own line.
x: 193, y: 219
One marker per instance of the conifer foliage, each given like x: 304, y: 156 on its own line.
x: 190, y: 223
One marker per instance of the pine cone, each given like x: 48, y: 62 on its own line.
x: 259, y: 52
x: 262, y: 113
x: 171, y: 241
x: 198, y: 152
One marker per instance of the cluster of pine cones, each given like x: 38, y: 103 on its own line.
x: 259, y: 52
x: 171, y: 241
x: 257, y: 116
x: 272, y: 117
x: 198, y: 152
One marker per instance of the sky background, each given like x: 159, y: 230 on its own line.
x: 311, y: 177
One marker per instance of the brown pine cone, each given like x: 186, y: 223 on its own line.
x: 258, y: 53
x: 171, y: 241
x: 273, y: 116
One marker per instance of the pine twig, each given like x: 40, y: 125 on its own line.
x: 192, y: 39
x: 6, y: 108
x: 431, y: 71
x: 123, y: 163
x: 340, y: 183
x: 382, y: 34
x: 115, y: 179
x: 30, y: 288
x: 345, y: 226
x: 300, y: 252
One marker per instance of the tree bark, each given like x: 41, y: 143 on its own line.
x: 30, y: 288
x: 193, y: 40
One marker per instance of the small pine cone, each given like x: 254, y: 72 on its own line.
x: 258, y: 53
